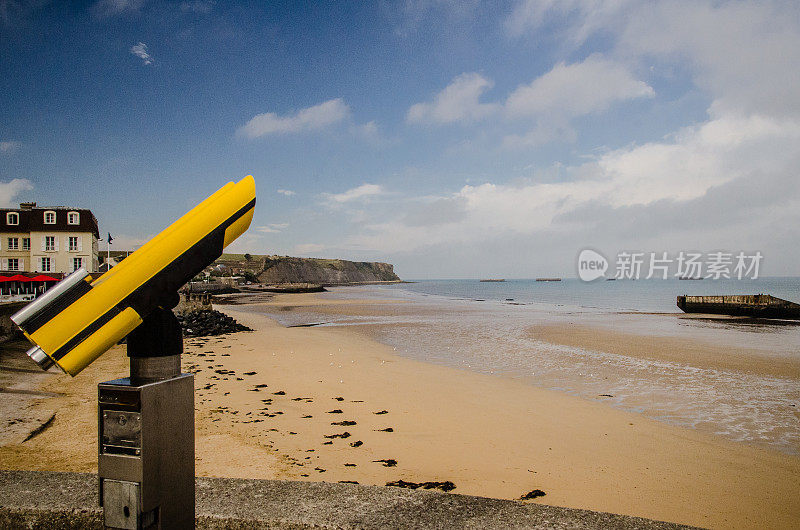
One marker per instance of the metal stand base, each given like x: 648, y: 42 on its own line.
x: 146, y: 434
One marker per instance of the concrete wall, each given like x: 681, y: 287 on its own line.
x: 40, y: 499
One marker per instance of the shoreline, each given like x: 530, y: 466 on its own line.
x: 491, y: 436
x: 694, y: 352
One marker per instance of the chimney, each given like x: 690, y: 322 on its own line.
x: 27, y: 205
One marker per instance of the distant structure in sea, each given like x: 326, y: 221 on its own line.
x: 494, y: 280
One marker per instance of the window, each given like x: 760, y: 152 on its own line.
x: 26, y: 243
x: 13, y: 264
x: 13, y: 243
x: 49, y: 242
x: 49, y: 218
x: 46, y: 265
x: 73, y: 244
x: 76, y: 263
x: 12, y: 218
x: 73, y: 218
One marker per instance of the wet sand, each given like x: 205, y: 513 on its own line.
x: 694, y: 352
x: 488, y: 435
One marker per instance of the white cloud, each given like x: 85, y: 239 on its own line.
x: 272, y: 228
x: 412, y: 13
x: 288, y: 193
x: 9, y: 147
x: 458, y: 102
x: 665, y: 177
x: 140, y: 51
x: 368, y: 131
x: 551, y: 100
x: 10, y: 190
x: 550, y: 130
x: 308, y: 248
x: 110, y: 8
x: 743, y: 54
x: 577, y: 89
x: 308, y: 119
x: 360, y: 192
x: 587, y: 16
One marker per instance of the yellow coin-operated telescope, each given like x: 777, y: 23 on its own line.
x: 145, y: 421
x: 79, y: 319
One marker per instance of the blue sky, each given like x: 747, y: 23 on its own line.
x: 453, y: 139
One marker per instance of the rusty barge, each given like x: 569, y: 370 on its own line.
x: 750, y: 305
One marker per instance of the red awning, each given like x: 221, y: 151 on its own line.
x: 19, y: 278
x: 4, y: 279
x: 43, y: 278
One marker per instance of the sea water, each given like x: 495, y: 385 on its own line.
x: 486, y: 327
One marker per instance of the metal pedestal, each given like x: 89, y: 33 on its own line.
x: 146, y: 435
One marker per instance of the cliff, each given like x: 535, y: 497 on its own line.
x: 285, y: 269
x: 324, y: 271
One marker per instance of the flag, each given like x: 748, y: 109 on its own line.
x: 110, y: 239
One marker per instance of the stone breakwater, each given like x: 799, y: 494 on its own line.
x: 205, y: 322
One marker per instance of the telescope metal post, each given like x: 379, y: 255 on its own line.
x: 146, y: 433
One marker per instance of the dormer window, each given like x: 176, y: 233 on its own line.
x: 12, y: 218
x: 73, y: 218
x: 49, y: 218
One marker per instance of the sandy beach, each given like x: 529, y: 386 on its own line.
x: 330, y: 404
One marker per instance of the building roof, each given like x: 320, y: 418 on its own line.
x: 31, y: 219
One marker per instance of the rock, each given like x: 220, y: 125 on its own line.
x: 532, y: 495
x: 345, y: 434
x: 205, y: 322
x: 444, y: 486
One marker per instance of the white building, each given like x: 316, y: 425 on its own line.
x: 53, y: 239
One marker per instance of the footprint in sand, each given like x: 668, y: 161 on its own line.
x: 387, y: 429
x: 349, y: 465
x: 279, y: 393
x: 387, y: 462
x: 381, y: 412
x: 340, y: 398
x: 345, y: 423
x: 358, y: 443
x: 335, y: 411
